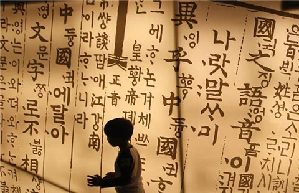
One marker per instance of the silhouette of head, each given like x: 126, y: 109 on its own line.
x: 119, y: 128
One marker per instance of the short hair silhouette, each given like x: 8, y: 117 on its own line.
x: 120, y: 128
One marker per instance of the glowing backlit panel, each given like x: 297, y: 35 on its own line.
x: 211, y: 88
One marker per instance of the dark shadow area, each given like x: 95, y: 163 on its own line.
x: 38, y: 176
x: 289, y: 5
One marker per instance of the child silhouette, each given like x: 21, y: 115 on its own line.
x: 127, y: 176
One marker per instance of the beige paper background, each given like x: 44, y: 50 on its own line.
x: 65, y: 166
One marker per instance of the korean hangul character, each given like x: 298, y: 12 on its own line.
x: 3, y: 63
x: 105, y: 17
x: 266, y: 78
x: 84, y: 59
x: 130, y: 115
x: 268, y: 45
x: 40, y: 89
x: 17, y: 26
x: 13, y: 174
x: 291, y: 129
x: 64, y: 92
x: 2, y: 101
x: 185, y: 83
x: 294, y: 113
x: 142, y: 139
x: 292, y: 41
x: 104, y: 4
x: 38, y: 181
x: 36, y: 146
x: 70, y: 35
x: 287, y: 147
x: 147, y: 99
x: 100, y: 79
x: 217, y: 61
x: 44, y: 11
x: 12, y: 158
x: 14, y: 84
x: 15, y: 63
x: 83, y: 97
x: 4, y: 23
x: 295, y: 30
x: 227, y: 180
x: 89, y: 16
x: 139, y: 7
x: 69, y: 78
x: 84, y: 79
x: 237, y: 162
x: 17, y: 47
x: 291, y: 51
x: 87, y: 37
x: 11, y: 138
x: 252, y: 150
x: 55, y: 133
x: 135, y: 74
x: 214, y: 89
x: 31, y: 108
x: 97, y: 118
x: 4, y: 186
x: 159, y: 7
x: 101, y: 60
x: 286, y: 67
x: 296, y: 184
x: 96, y: 100
x: 81, y: 118
x: 178, y: 126
x: 278, y: 108
x: 257, y: 113
x: 152, y: 53
x: 12, y: 121
x: 157, y: 31
x: 13, y: 102
x: 2, y: 82
x: 205, y: 131
x: 295, y: 96
x: 42, y: 52
x: 226, y: 42
x: 58, y: 113
x: 149, y: 77
x: 171, y: 169
x: 162, y: 184
x: 193, y: 39
x: 145, y: 119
